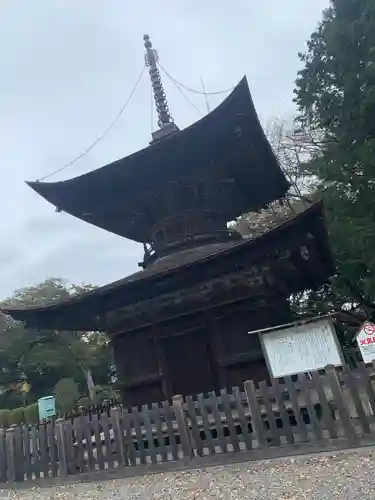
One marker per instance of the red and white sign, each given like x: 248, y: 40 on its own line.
x: 366, y: 341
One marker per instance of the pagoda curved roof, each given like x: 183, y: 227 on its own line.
x: 81, y: 311
x: 228, y: 142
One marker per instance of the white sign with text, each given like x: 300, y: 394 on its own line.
x: 366, y: 341
x: 301, y: 348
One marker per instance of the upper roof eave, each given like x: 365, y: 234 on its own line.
x: 231, y: 134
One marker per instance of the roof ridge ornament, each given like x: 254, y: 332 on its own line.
x: 165, y: 120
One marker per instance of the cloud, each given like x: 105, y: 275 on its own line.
x: 68, y: 66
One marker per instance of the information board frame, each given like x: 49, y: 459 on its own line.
x: 295, y: 324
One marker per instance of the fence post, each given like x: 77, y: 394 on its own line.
x: 187, y: 449
x: 61, y: 451
x: 256, y: 417
x: 11, y: 453
x: 15, y: 458
x: 3, y: 456
x: 334, y: 383
x: 116, y: 414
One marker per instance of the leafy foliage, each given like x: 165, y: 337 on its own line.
x: 5, y: 418
x: 31, y: 414
x: 335, y: 93
x: 85, y: 402
x: 17, y: 416
x: 106, y: 392
x: 43, y: 358
x: 330, y: 152
x: 67, y: 394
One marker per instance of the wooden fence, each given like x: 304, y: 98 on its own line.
x: 352, y: 356
x: 332, y: 405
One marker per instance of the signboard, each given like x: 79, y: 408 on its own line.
x: 301, y: 347
x: 366, y: 341
x: 46, y: 407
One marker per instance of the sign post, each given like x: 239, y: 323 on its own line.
x: 366, y: 341
x: 300, y: 347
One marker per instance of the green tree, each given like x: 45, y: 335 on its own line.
x: 335, y: 94
x: 43, y: 358
x: 67, y: 394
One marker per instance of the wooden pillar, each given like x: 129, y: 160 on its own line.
x: 216, y: 348
x: 166, y: 385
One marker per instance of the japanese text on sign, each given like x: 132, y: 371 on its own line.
x: 301, y: 348
x: 366, y: 341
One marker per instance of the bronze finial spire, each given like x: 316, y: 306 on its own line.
x: 165, y: 121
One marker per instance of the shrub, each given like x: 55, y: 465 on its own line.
x: 5, y: 417
x: 106, y: 392
x: 67, y: 394
x: 85, y: 402
x: 31, y: 414
x: 17, y: 416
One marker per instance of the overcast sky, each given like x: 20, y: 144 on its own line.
x: 66, y: 68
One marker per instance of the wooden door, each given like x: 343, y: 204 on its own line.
x: 189, y: 362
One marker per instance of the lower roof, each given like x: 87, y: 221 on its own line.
x: 96, y: 302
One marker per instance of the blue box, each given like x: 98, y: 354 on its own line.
x: 47, y: 407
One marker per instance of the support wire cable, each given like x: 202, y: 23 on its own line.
x: 179, y: 88
x: 101, y: 137
x: 189, y: 89
x: 205, y: 96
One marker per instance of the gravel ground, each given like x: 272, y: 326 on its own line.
x: 349, y: 475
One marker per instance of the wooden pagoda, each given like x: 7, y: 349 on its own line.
x: 180, y: 325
